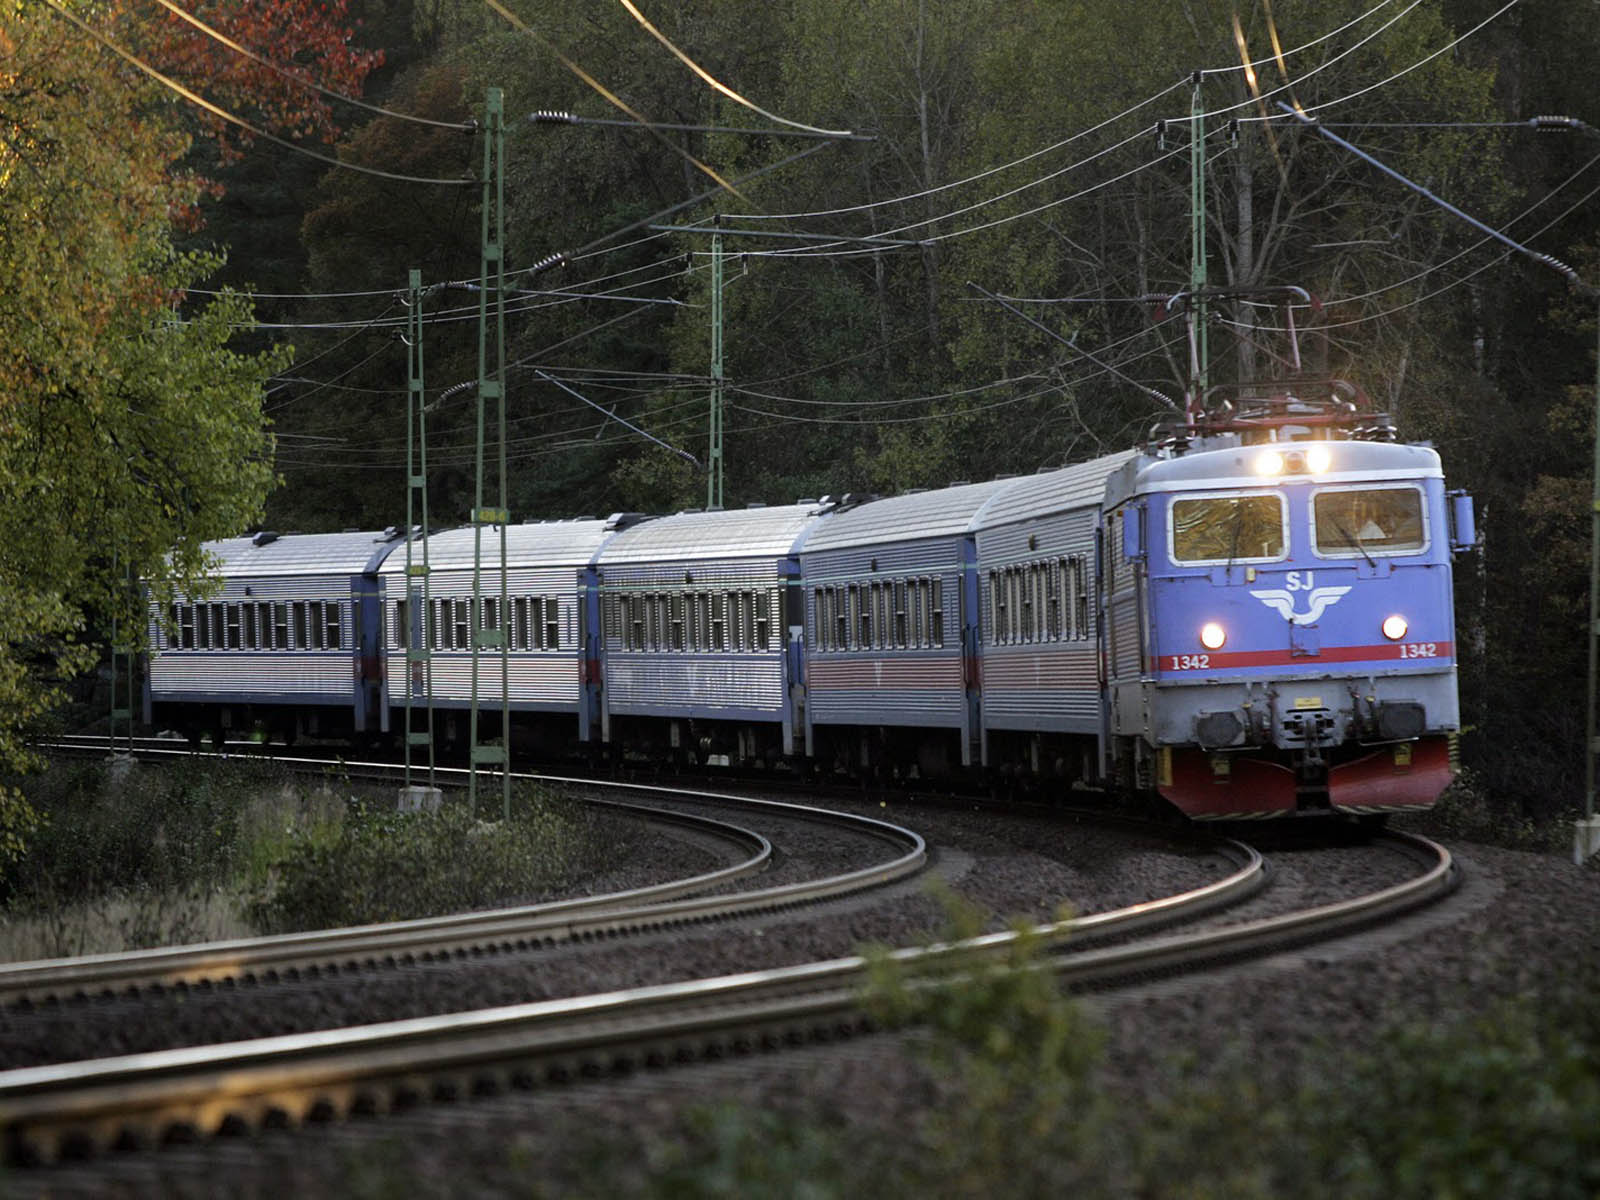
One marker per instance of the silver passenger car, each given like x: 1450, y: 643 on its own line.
x: 289, y: 642
x: 891, y: 622
x: 698, y: 657
x: 545, y: 562
x: 1037, y: 585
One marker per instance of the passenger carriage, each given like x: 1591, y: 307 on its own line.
x: 1036, y: 549
x: 289, y: 643
x: 699, y: 636
x: 892, y: 632
x: 549, y: 687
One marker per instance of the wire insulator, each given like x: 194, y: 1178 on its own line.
x: 548, y: 262
x: 551, y: 116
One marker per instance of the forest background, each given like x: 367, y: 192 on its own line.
x: 202, y: 316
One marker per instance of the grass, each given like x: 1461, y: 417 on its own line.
x: 134, y: 856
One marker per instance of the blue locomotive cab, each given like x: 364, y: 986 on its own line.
x: 1295, y: 632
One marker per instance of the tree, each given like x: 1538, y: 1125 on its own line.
x: 129, y: 431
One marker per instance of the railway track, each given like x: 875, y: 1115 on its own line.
x: 77, y: 1108
x: 676, y: 902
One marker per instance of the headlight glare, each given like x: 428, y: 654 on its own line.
x: 1394, y: 627
x: 1269, y: 462
x: 1318, y: 459
x: 1212, y: 635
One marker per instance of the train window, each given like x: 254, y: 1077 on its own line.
x: 841, y: 620
x: 937, y: 624
x: 402, y: 626
x: 251, y: 641
x: 997, y: 602
x: 233, y: 626
x: 462, y: 622
x: 763, y: 614
x: 902, y: 622
x: 552, y: 624
x: 1080, y: 586
x: 280, y: 626
x: 1223, y: 529
x: 298, y: 611
x: 1367, y: 521
x: 675, y: 622
x: 332, y: 626
x: 186, y: 626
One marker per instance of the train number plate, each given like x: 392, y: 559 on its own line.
x: 1188, y: 662
x: 1419, y: 650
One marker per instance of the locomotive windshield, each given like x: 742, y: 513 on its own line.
x: 1225, y: 529
x: 1368, y: 520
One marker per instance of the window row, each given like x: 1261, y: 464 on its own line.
x: 535, y: 623
x: 736, y: 620
x: 253, y: 625
x: 1045, y: 601
x: 898, y: 614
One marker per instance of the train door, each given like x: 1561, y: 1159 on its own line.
x: 590, y: 643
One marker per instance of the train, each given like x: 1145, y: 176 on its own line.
x: 1248, y: 618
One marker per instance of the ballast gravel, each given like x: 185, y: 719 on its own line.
x: 1517, y: 924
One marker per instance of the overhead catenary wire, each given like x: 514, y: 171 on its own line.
x: 1054, y: 146
x: 609, y: 96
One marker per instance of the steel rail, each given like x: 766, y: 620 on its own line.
x: 390, y: 942
x: 652, y: 907
x: 70, y: 1107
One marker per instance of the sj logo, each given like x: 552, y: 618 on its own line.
x: 1282, y: 600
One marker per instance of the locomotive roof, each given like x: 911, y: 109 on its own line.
x: 266, y: 554
x: 941, y: 513
x: 539, y: 544
x: 698, y: 536
x: 1234, y: 466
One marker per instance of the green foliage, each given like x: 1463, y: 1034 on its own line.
x: 150, y: 846
x: 381, y: 865
x: 141, y: 829
x: 129, y: 433
x: 1019, y: 1103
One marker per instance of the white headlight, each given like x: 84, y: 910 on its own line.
x: 1269, y: 462
x: 1318, y: 459
x: 1394, y: 627
x: 1212, y: 635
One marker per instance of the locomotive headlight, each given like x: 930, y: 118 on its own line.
x: 1212, y: 635
x: 1318, y: 459
x: 1394, y: 627
x: 1269, y: 462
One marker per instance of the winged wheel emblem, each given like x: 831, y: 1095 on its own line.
x: 1318, y: 601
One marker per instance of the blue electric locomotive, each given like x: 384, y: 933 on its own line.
x: 1280, y: 626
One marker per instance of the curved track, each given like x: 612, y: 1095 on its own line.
x: 79, y: 1107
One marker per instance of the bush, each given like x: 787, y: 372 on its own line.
x: 128, y: 857
x: 137, y: 828
x: 1507, y: 1105
x: 389, y: 866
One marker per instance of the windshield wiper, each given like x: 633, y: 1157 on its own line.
x: 1238, y: 524
x: 1354, y: 541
